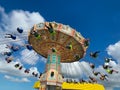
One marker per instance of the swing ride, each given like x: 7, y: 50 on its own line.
x: 58, y: 43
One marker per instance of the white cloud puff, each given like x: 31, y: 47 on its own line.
x: 9, y: 68
x: 19, y: 18
x: 3, y: 48
x: 114, y: 51
x: 29, y: 57
x: 75, y: 69
x: 113, y: 80
x: 16, y: 79
x: 8, y: 24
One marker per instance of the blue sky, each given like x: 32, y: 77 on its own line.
x: 97, y: 20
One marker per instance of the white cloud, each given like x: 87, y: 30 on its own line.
x: 78, y: 69
x: 114, y: 51
x: 17, y: 18
x: 75, y: 69
x: 34, y: 69
x: 8, y: 24
x: 16, y: 79
x: 113, y: 80
x: 9, y: 68
x: 29, y: 57
x: 3, y: 48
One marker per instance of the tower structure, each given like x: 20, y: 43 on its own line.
x: 52, y: 78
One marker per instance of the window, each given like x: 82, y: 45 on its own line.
x: 52, y: 74
x: 54, y: 59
